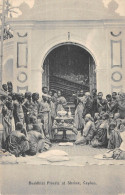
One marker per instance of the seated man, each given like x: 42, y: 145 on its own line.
x: 100, y: 139
x: 97, y: 120
x: 116, y: 119
x: 36, y: 143
x: 17, y: 142
x: 114, y: 138
x: 34, y: 125
x: 88, y: 131
x: 118, y: 153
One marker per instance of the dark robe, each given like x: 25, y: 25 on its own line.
x: 17, y: 143
x: 100, y: 139
x: 115, y: 140
x: 101, y: 105
x: 94, y: 106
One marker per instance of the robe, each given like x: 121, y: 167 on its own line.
x: 36, y: 142
x: 100, y: 139
x: 88, y: 133
x: 115, y: 140
x: 7, y: 124
x: 61, y: 103
x: 79, y: 121
x: 17, y: 143
x: 18, y: 113
x: 44, y: 114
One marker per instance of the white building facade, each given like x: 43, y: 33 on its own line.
x: 35, y: 36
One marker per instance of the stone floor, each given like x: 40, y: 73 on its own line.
x: 55, y: 180
x: 49, y: 180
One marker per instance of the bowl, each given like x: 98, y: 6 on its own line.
x: 62, y: 113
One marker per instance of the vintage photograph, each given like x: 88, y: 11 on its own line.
x: 62, y: 97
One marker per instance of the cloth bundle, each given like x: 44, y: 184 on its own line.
x: 54, y: 156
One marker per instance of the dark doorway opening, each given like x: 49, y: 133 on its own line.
x: 69, y: 68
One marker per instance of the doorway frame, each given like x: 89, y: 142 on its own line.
x: 68, y: 43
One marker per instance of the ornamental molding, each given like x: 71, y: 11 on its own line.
x: 22, y: 36
x: 116, y: 74
x: 20, y: 24
x: 116, y: 35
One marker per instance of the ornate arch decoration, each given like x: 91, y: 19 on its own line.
x: 116, y: 35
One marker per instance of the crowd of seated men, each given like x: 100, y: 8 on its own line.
x: 101, y: 121
x: 28, y: 119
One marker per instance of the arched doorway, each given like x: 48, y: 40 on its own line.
x: 69, y: 68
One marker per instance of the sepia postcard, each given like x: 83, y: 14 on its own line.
x: 62, y: 97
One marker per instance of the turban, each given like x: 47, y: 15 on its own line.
x: 87, y: 94
x: 89, y: 117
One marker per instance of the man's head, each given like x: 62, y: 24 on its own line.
x: 94, y: 92
x: 45, y: 98
x: 33, y: 119
x: 116, y: 116
x: 114, y: 95
x: 37, y: 96
x: 55, y: 94
x: 29, y: 95
x: 26, y: 93
x: 109, y: 97
x: 44, y: 90
x: 81, y: 93
x: 87, y: 94
x: 19, y: 126
x: 100, y: 95
x: 59, y: 93
x: 14, y: 96
x: 112, y: 126
x: 33, y: 96
x: 50, y: 93
x: 19, y: 97
x: 88, y: 117
x: 9, y: 98
x: 105, y: 116
x: 101, y: 114
x: 96, y: 116
x: 78, y: 93
x: 4, y: 86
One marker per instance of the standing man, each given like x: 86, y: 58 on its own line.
x: 44, y: 114
x: 94, y: 103
x: 45, y: 90
x: 18, y: 110
x: 35, y: 103
x: 109, y: 102
x: 28, y: 108
x: 88, y: 104
x: 61, y: 102
x: 101, y: 103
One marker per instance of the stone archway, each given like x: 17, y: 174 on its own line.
x: 73, y: 62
